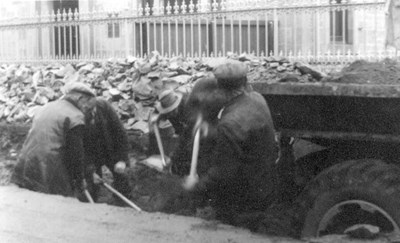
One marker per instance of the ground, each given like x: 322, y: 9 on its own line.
x: 27, y: 216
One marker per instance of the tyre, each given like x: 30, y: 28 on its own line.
x: 350, y: 193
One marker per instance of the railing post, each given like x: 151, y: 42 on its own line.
x: 126, y: 37
x: 276, y: 26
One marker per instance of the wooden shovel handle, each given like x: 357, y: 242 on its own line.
x: 159, y: 143
x: 195, y: 154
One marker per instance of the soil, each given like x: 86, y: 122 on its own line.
x: 363, y: 72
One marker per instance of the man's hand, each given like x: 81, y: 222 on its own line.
x: 97, y: 179
x: 83, y: 185
x: 120, y: 167
x: 154, y: 118
x: 190, y: 182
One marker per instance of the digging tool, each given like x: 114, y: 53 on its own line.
x: 87, y: 194
x: 192, y: 179
x: 160, y: 145
x: 110, y: 188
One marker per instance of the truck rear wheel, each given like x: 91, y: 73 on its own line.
x: 351, y: 193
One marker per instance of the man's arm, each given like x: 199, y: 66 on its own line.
x: 118, y: 135
x: 225, y: 161
x: 75, y: 153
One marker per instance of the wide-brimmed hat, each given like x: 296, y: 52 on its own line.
x: 168, y: 100
x: 231, y: 74
x: 78, y: 87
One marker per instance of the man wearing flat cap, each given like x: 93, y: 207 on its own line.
x: 241, y: 175
x: 52, y: 158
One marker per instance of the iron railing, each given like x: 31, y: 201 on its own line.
x: 320, y: 32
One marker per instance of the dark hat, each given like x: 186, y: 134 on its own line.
x: 168, y: 100
x: 78, y: 87
x: 231, y: 74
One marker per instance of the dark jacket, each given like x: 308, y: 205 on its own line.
x: 106, y: 140
x: 205, y: 99
x: 242, y: 176
x: 179, y: 123
x: 178, y: 120
x: 52, y: 154
x: 106, y: 143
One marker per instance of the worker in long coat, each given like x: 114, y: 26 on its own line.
x: 52, y: 157
x: 241, y: 177
x: 205, y: 100
x: 106, y: 143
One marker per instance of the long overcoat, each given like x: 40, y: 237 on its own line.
x: 44, y: 163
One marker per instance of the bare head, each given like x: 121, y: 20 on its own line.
x: 231, y: 75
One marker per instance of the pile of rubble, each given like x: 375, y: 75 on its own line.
x: 386, y: 72
x: 131, y: 84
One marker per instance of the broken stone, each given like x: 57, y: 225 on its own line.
x: 131, y: 59
x: 281, y: 68
x: 73, y: 77
x: 114, y: 92
x: 181, y: 79
x: 306, y: 69
x: 98, y: 71
x: 87, y: 68
x: 274, y: 64
x: 154, y: 75
x: 139, y: 125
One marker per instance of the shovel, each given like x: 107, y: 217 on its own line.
x: 110, y: 188
x: 160, y: 145
x: 87, y: 194
x: 192, y: 179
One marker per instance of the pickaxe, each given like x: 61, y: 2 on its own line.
x: 159, y: 143
x: 98, y: 179
x: 87, y: 194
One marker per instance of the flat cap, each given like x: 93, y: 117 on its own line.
x: 231, y: 74
x: 78, y: 87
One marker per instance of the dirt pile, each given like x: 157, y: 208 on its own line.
x: 363, y: 72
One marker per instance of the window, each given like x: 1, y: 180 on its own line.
x: 113, y: 29
x: 341, y: 29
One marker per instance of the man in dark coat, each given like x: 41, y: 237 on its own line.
x: 205, y: 100
x: 241, y: 176
x: 106, y: 143
x: 52, y: 157
x: 169, y: 106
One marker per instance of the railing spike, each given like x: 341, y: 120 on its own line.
x: 176, y: 7
x: 168, y: 8
x: 184, y: 8
x: 147, y: 9
x: 191, y: 7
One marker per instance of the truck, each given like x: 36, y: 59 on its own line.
x: 353, y: 178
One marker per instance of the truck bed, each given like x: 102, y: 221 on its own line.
x: 334, y: 111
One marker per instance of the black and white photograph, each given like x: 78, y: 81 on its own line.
x: 196, y: 121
